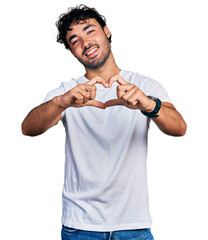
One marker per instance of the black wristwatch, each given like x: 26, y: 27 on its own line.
x: 153, y: 114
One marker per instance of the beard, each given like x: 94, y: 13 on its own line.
x: 98, y: 62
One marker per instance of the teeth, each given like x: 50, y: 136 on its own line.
x: 91, y: 51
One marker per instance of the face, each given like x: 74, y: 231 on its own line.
x: 89, y: 43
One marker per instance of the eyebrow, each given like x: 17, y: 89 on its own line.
x: 88, y: 26
x: 84, y: 29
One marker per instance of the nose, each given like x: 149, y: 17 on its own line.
x: 85, y: 42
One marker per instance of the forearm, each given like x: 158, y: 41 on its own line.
x: 48, y: 114
x: 42, y: 118
x: 170, y: 121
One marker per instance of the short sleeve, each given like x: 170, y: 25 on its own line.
x: 155, y: 89
x: 64, y: 87
x: 54, y: 93
x: 150, y: 87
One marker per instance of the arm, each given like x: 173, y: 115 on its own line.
x: 170, y: 120
x: 43, y: 117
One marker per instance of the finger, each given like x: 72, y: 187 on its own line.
x: 112, y: 80
x: 90, y: 89
x: 127, y: 95
x: 138, y: 97
x: 102, y: 81
x: 97, y: 79
x: 116, y: 78
x: 78, y: 97
x: 85, y: 95
x: 91, y: 82
x: 133, y: 99
x: 122, y: 89
x: 93, y: 93
x: 86, y: 87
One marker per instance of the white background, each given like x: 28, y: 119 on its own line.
x: 164, y: 39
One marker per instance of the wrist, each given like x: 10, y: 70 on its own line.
x: 58, y: 101
x: 151, y: 106
x: 154, y: 112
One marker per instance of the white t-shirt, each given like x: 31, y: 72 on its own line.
x: 105, y: 187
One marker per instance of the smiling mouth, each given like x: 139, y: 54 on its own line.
x: 92, y: 52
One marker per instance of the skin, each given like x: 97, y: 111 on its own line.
x: 90, y: 45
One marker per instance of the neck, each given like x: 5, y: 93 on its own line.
x: 108, y: 70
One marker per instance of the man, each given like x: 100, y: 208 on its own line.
x: 106, y: 114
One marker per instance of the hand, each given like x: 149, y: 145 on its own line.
x: 83, y: 95
x: 130, y: 96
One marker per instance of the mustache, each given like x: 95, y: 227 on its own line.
x: 90, y: 46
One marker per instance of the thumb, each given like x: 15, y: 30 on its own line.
x: 114, y: 102
x: 95, y: 103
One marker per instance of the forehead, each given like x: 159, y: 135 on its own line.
x: 76, y: 27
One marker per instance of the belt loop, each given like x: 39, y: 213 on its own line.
x: 110, y: 236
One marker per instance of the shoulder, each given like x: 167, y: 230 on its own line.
x: 63, y: 88
x: 146, y: 84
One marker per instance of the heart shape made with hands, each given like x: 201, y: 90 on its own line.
x: 127, y: 93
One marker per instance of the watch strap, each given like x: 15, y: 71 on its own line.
x: 153, y: 114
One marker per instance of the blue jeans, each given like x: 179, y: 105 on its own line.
x: 76, y: 234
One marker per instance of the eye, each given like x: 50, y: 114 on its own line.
x: 75, y: 42
x: 90, y: 31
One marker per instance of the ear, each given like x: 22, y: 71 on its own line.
x: 107, y: 31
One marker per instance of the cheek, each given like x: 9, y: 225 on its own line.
x: 101, y: 38
x: 76, y: 51
x: 97, y: 37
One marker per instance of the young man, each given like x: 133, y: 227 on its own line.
x: 106, y: 114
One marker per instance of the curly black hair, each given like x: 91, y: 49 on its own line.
x: 79, y: 14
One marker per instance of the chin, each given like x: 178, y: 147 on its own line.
x: 96, y: 65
